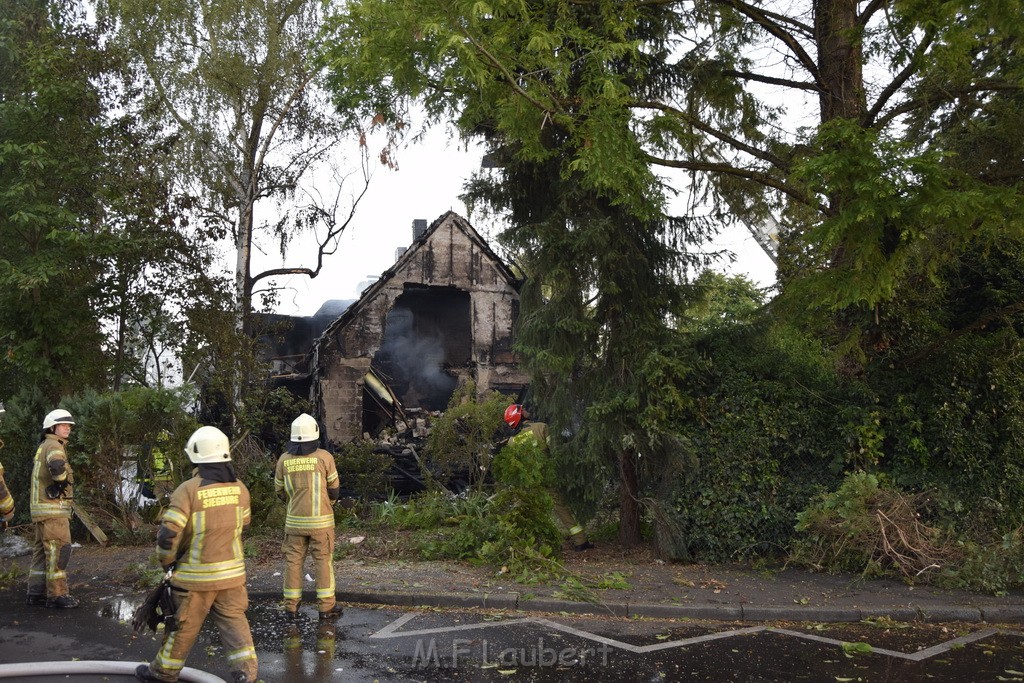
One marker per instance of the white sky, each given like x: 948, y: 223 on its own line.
x: 427, y: 184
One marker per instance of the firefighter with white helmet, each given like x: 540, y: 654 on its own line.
x: 307, y: 477
x: 50, y: 503
x: 200, y: 541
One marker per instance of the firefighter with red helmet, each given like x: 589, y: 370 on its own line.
x: 536, y: 433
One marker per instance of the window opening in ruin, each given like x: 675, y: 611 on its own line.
x: 426, y: 333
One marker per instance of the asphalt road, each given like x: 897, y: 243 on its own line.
x: 397, y: 644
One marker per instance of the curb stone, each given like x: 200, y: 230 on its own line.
x: 724, y: 612
x: 935, y: 614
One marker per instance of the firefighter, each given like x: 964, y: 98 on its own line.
x: 50, y: 506
x: 200, y: 541
x: 307, y: 478
x: 6, y: 500
x: 518, y: 418
x: 158, y: 481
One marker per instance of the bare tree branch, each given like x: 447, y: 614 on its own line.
x: 776, y: 161
x: 869, y: 11
x: 747, y: 76
x: 769, y: 22
x: 756, y: 176
x: 328, y: 216
x: 948, y: 95
x: 901, y: 78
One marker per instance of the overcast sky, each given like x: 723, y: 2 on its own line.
x: 426, y: 185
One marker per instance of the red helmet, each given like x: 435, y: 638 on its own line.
x: 513, y: 415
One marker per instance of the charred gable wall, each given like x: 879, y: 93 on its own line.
x: 444, y: 313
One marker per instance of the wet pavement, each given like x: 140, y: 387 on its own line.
x: 397, y: 644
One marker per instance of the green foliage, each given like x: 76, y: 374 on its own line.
x: 49, y: 188
x: 113, y: 430
x: 251, y: 125
x: 840, y: 529
x: 525, y: 540
x: 511, y: 530
x: 462, y: 439
x: 142, y: 574
x: 770, y: 433
x: 994, y: 567
x: 426, y: 511
x: 720, y: 301
x: 95, y: 264
x: 580, y: 589
x: 9, y: 575
x: 461, y: 529
x: 523, y: 463
x: 954, y: 423
x: 255, y: 466
x: 362, y: 470
x: 267, y: 415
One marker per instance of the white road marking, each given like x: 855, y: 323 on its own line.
x: 391, y: 631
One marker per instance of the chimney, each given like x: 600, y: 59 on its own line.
x: 419, y: 226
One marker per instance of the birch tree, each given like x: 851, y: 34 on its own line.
x: 240, y: 85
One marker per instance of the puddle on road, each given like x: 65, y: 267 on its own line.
x: 119, y: 607
x: 451, y: 649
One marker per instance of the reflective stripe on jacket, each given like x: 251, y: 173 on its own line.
x: 50, y: 452
x: 206, y: 522
x: 536, y: 432
x: 306, y: 478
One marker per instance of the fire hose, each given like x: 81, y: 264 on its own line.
x: 93, y: 668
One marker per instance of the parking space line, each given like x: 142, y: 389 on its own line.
x: 391, y: 631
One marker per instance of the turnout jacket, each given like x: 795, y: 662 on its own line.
x: 306, y: 479
x: 51, y: 467
x: 6, y: 500
x: 201, y: 531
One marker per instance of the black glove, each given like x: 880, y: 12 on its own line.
x: 56, y: 489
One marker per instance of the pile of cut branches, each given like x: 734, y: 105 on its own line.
x: 872, y: 529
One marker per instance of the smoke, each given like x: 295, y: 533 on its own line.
x: 413, y: 361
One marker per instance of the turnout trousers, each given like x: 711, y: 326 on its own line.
x: 567, y: 520
x: 320, y: 546
x: 227, y: 608
x: 51, y: 553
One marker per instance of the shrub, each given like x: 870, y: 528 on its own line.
x: 773, y: 426
x: 868, y: 527
x: 511, y: 530
x: 362, y: 471
x: 463, y: 438
x: 111, y: 442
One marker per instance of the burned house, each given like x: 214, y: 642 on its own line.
x: 442, y: 314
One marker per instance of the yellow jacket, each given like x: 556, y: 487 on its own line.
x: 203, y: 527
x: 51, y: 467
x: 306, y: 478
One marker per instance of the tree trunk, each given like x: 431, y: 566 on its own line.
x: 243, y: 259
x: 840, y: 59
x: 629, y: 505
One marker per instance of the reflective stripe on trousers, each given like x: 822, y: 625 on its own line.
x: 227, y: 608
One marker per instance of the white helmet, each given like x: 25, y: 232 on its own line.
x: 208, y: 445
x: 59, y: 416
x: 304, y: 428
